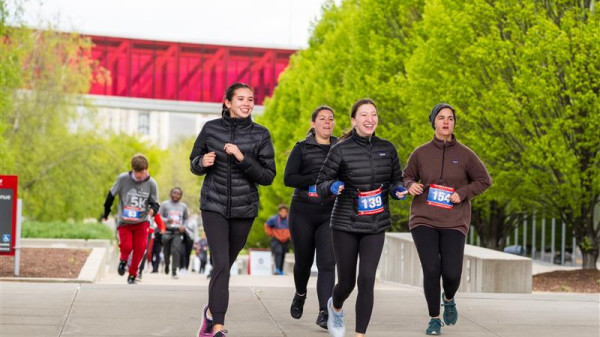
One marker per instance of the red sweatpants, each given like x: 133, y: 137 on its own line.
x: 133, y: 238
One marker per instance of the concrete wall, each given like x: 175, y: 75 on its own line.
x: 484, y: 270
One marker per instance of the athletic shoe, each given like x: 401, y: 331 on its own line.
x: 335, y: 321
x: 450, y: 312
x: 131, y: 279
x: 139, y: 275
x: 322, y: 319
x: 121, y: 268
x: 167, y: 270
x: 434, y: 327
x: 297, y: 306
x: 175, y: 277
x: 221, y: 333
x: 183, y: 271
x: 207, y: 324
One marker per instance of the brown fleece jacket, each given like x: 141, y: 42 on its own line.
x: 449, y: 164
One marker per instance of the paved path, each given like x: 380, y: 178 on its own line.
x: 259, y: 306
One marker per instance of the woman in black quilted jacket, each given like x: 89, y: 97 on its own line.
x: 310, y: 214
x: 236, y: 155
x: 362, y: 170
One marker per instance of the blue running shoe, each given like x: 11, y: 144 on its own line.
x: 434, y: 327
x: 450, y: 312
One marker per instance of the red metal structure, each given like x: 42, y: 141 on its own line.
x: 184, y: 71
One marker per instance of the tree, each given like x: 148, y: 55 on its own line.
x: 64, y: 166
x: 530, y: 113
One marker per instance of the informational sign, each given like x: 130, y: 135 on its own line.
x: 8, y: 214
x: 260, y: 262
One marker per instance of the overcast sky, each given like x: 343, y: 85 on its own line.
x: 258, y: 23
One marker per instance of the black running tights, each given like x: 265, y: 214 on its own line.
x: 309, y: 227
x: 348, y: 248
x: 226, y: 237
x: 441, y: 253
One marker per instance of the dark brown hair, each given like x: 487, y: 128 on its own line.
x: 315, y: 113
x: 353, y: 111
x: 229, y: 94
x: 139, y: 162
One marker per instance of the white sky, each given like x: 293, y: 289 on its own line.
x: 257, y: 23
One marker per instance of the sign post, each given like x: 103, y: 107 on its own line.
x: 8, y: 215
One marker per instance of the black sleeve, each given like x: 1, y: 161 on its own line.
x: 397, y: 175
x: 198, y: 152
x: 108, y: 204
x: 329, y: 172
x: 261, y: 169
x: 155, y: 206
x: 292, y: 176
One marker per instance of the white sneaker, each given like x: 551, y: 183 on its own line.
x: 182, y: 271
x: 335, y: 322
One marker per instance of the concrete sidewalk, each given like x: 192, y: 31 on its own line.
x: 259, y: 306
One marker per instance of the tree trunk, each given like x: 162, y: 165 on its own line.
x: 589, y: 259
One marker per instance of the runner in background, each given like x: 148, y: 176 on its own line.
x: 138, y: 200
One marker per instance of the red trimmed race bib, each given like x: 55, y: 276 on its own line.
x: 312, y: 191
x: 132, y: 213
x: 370, y: 202
x: 439, y: 196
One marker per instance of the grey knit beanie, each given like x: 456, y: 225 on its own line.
x: 436, y: 109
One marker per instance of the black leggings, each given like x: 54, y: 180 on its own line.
x: 309, y: 227
x: 348, y: 248
x: 441, y: 253
x: 226, y: 237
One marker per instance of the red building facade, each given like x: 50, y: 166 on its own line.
x: 184, y: 71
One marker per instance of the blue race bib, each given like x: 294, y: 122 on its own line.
x: 370, y: 202
x: 131, y: 213
x: 439, y: 196
x: 312, y: 191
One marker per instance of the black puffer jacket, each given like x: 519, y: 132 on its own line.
x: 230, y: 187
x: 302, y: 169
x: 363, y: 164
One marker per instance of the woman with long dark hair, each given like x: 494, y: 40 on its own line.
x: 362, y: 170
x: 310, y: 213
x: 236, y: 155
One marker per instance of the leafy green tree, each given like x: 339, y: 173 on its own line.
x: 524, y: 77
x: 64, y: 166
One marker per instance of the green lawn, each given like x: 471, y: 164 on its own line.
x: 66, y: 230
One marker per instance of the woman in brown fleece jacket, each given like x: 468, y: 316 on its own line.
x: 444, y: 176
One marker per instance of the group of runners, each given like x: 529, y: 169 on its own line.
x: 339, y: 210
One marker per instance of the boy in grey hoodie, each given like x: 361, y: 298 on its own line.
x: 138, y: 200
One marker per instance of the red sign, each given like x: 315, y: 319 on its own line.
x: 8, y: 214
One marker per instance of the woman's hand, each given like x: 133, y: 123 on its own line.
x: 454, y: 198
x: 415, y: 189
x: 209, y: 159
x: 232, y: 149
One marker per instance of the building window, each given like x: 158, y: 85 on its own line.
x: 144, y: 123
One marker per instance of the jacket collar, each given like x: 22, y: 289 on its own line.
x: 363, y: 140
x: 310, y: 139
x: 440, y: 143
x: 235, y: 122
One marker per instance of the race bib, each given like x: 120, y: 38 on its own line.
x: 132, y: 213
x: 370, y: 202
x: 175, y: 217
x: 439, y: 196
x: 312, y: 191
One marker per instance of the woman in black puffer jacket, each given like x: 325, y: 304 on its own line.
x: 310, y: 214
x: 361, y: 169
x: 236, y: 155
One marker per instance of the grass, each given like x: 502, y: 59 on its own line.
x: 66, y: 230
